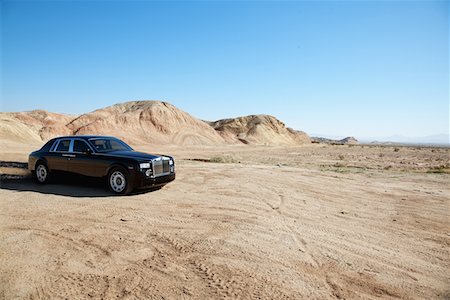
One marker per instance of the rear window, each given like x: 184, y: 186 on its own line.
x: 63, y: 145
x: 47, y: 146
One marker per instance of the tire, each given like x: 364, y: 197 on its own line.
x: 41, y: 173
x: 118, y: 181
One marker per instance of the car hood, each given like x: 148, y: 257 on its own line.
x: 133, y: 154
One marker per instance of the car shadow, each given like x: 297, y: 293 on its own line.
x: 64, y: 187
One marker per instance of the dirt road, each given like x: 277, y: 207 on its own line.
x: 233, y: 230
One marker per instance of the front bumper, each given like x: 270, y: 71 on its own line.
x: 142, y: 181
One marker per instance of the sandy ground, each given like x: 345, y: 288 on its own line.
x: 308, y: 222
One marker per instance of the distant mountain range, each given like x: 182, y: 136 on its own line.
x: 437, y: 139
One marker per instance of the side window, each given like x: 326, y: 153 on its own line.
x: 100, y: 145
x: 80, y: 146
x: 63, y: 146
x: 115, y: 145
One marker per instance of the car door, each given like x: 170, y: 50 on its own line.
x: 82, y: 162
x: 58, y: 157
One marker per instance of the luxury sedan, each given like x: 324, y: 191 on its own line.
x: 102, y: 157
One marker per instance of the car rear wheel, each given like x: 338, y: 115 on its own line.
x: 41, y: 173
x: 118, y: 181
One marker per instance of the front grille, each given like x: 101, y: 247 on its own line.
x: 161, y: 166
x: 158, y: 168
x: 166, y: 167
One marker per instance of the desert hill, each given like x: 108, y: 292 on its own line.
x: 349, y: 141
x: 259, y: 129
x: 149, y: 121
x: 33, y: 126
x: 146, y: 122
x: 345, y: 141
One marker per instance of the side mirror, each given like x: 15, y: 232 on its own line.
x: 88, y: 151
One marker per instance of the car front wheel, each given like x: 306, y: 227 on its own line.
x: 42, y: 174
x: 118, y: 181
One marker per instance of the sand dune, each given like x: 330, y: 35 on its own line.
x: 149, y: 122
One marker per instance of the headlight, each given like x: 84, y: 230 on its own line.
x: 170, y: 162
x: 148, y: 173
x: 144, y: 165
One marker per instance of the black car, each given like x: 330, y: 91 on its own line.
x: 102, y: 157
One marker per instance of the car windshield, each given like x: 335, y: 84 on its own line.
x: 109, y: 144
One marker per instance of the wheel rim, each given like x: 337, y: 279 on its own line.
x: 41, y: 173
x: 117, y: 181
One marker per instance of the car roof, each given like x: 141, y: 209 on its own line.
x: 85, y: 137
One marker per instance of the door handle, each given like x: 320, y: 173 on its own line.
x: 69, y: 155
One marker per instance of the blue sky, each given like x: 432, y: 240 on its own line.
x: 337, y: 68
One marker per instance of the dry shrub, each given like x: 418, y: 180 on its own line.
x: 223, y: 159
x: 442, y: 169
